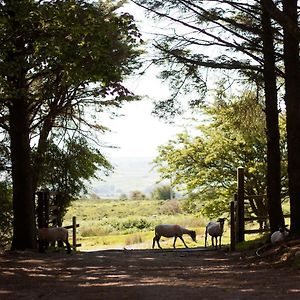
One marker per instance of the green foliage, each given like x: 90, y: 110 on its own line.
x: 68, y: 169
x: 184, y: 48
x: 65, y: 46
x: 205, y: 164
x: 162, y: 193
x: 133, y: 224
x: 189, y: 205
x: 61, y: 64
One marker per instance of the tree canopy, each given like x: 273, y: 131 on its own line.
x: 205, y: 163
x: 259, y: 39
x: 61, y: 63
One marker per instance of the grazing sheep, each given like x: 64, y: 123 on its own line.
x: 53, y: 235
x: 170, y: 230
x: 215, y: 230
x: 279, y: 235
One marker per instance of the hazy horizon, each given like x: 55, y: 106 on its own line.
x: 131, y: 174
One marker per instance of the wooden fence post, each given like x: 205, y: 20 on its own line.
x: 240, y: 205
x: 232, y: 225
x: 74, y: 232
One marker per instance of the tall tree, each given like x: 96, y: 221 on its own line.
x: 205, y: 163
x: 288, y: 19
x: 292, y: 100
x: 236, y: 28
x: 15, y: 95
x: 273, y: 136
x: 58, y: 59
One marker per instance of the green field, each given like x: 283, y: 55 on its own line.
x: 110, y: 224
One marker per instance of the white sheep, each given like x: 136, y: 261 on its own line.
x: 215, y: 230
x: 279, y: 235
x: 170, y: 230
x: 53, y: 235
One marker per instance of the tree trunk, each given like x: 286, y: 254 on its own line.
x: 41, y: 149
x: 24, y: 229
x: 273, y: 136
x: 292, y: 100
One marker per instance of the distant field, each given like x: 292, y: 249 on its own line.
x: 130, y: 223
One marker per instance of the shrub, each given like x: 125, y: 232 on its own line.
x: 162, y: 193
x: 170, y: 207
x: 139, y: 224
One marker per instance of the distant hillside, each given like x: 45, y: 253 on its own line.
x: 130, y: 174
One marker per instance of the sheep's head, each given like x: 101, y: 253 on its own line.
x: 221, y: 220
x: 284, y: 229
x: 193, y: 235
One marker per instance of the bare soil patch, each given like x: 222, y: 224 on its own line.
x: 144, y: 274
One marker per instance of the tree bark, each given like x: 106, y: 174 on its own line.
x: 24, y: 232
x: 24, y: 229
x: 41, y: 149
x: 292, y: 101
x: 273, y: 136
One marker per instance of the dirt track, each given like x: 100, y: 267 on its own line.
x: 143, y: 274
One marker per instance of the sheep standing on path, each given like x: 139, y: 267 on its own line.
x: 215, y: 230
x: 170, y: 230
x: 54, y: 234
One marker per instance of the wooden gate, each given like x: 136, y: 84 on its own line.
x: 47, y: 214
x: 237, y: 213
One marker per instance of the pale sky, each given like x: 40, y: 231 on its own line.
x: 138, y: 133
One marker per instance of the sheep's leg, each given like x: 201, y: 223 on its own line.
x: 157, y: 238
x: 153, y: 244
x: 183, y: 242
x: 175, y: 238
x: 68, y: 247
x: 212, y: 241
x: 220, y: 241
x: 205, y: 237
x: 215, y: 241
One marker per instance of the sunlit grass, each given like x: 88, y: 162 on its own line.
x: 113, y: 224
x: 107, y: 224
